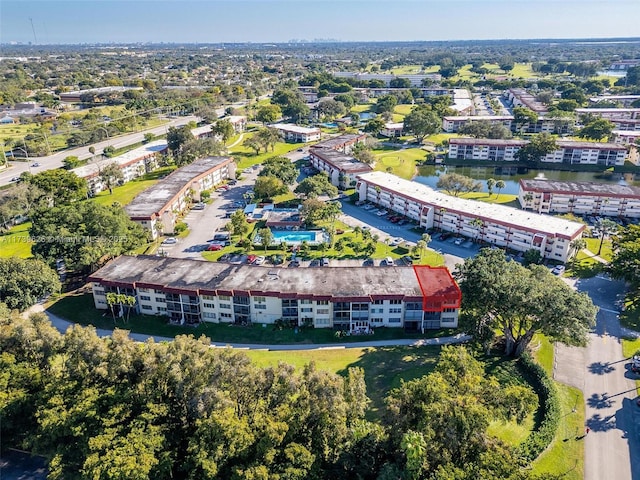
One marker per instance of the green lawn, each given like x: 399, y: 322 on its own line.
x: 247, y: 157
x: 363, y: 107
x: 15, y: 243
x: 503, y: 199
x: 593, y: 244
x: 403, y: 109
x: 402, y: 162
x: 584, y: 266
x: 565, y: 455
x: 127, y: 192
x: 438, y: 138
x: 630, y: 346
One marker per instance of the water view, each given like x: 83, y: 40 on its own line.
x: 429, y: 175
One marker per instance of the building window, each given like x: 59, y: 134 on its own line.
x: 162, y: 309
x: 395, y: 320
x: 208, y: 297
x: 322, y: 321
x: 145, y: 297
x: 378, y: 302
x: 146, y: 307
x: 209, y: 305
x: 322, y: 311
x: 209, y: 315
x: 260, y: 306
x: 305, y: 302
x: 225, y: 306
x: 306, y: 310
x: 143, y: 290
x: 160, y: 300
x: 322, y: 302
x: 395, y: 310
x: 225, y: 315
x: 395, y: 302
x: 449, y: 310
x: 448, y: 320
x: 159, y: 292
x: 224, y: 297
x: 259, y: 299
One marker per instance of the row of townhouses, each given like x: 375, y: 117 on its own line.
x: 492, y: 223
x: 580, y: 198
x: 568, y: 152
x: 347, y: 298
x: 158, y: 208
x: 132, y: 164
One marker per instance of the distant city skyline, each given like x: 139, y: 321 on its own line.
x: 263, y: 21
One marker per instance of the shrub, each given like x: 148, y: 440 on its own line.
x: 180, y: 227
x: 540, y: 439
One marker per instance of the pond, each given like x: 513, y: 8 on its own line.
x: 429, y: 175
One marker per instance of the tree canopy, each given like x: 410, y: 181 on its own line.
x: 24, y: 281
x: 456, y: 184
x: 59, y: 186
x: 268, y: 187
x: 625, y: 264
x: 315, y: 186
x: 500, y: 294
x: 539, y: 146
x: 422, y: 121
x: 281, y: 168
x: 597, y: 129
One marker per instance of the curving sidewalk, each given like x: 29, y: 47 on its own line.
x: 62, y: 325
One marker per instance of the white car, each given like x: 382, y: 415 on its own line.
x: 170, y: 241
x: 396, y: 241
x: 558, y: 270
x: 458, y: 241
x: 381, y: 213
x: 259, y: 260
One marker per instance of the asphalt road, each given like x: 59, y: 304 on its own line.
x: 612, y: 448
x: 55, y: 161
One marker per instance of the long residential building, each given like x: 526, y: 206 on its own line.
x: 611, y: 113
x: 132, y: 164
x: 347, y: 298
x: 342, y: 143
x: 341, y: 168
x: 625, y: 100
x: 451, y: 124
x: 580, y: 198
x: 521, y: 98
x: 416, y: 79
x: 626, y: 124
x: 296, y: 133
x: 491, y: 223
x: 158, y: 207
x: 626, y: 137
x: 569, y: 152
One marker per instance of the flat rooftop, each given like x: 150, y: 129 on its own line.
x: 589, y: 188
x: 607, y: 110
x: 340, y: 140
x: 155, y: 198
x: 341, y: 161
x: 491, y: 212
x: 205, y: 129
x: 191, y: 275
x: 290, y: 127
x: 122, y: 160
x: 498, y: 142
x: 465, y: 118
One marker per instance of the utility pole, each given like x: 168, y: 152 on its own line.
x: 33, y: 29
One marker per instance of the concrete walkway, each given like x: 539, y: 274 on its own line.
x: 62, y: 325
x: 597, y: 258
x: 236, y: 142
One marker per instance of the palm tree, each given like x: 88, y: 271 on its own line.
x: 606, y: 227
x: 476, y: 222
x: 528, y: 198
x: 490, y: 184
x: 112, y: 300
x: 500, y: 185
x: 421, y: 246
x: 577, y: 245
x: 357, y: 231
x: 130, y: 302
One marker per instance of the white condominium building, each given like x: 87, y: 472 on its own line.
x: 296, y: 133
x: 347, y: 298
x: 580, y: 198
x: 491, y: 223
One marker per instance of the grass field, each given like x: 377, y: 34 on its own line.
x: 403, y: 109
x: 15, y: 243
x: 631, y: 346
x: 247, y: 156
x: 438, y: 138
x: 402, y: 162
x: 593, y: 244
x: 503, y: 198
x: 127, y: 192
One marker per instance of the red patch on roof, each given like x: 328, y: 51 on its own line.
x: 439, y: 289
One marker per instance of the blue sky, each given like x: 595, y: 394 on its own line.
x: 211, y: 21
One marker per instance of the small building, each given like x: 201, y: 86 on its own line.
x: 451, y: 124
x: 494, y: 224
x: 354, y: 299
x: 624, y: 100
x: 625, y: 124
x: 286, y: 218
x: 626, y: 137
x: 342, y: 143
x: 28, y: 110
x: 392, y: 130
x: 580, y: 198
x: 416, y: 79
x: 132, y: 164
x: 158, y: 207
x: 341, y: 168
x: 463, y: 102
x: 297, y: 134
x: 239, y: 122
x: 203, y: 132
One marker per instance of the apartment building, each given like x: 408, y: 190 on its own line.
x: 132, y: 164
x: 451, y: 124
x: 625, y: 124
x: 491, y: 223
x: 347, y: 298
x: 76, y: 95
x: 626, y: 137
x: 624, y: 100
x: 392, y: 130
x: 341, y: 168
x: 580, y: 198
x: 569, y: 152
x: 297, y: 134
x: 416, y: 79
x: 611, y: 113
x: 342, y: 143
x: 239, y: 122
x: 158, y: 207
x: 519, y: 97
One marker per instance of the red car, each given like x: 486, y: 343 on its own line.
x: 251, y: 258
x: 214, y: 247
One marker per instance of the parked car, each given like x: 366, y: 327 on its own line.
x: 558, y: 270
x: 198, y: 206
x: 407, y: 260
x: 259, y: 260
x: 368, y: 262
x: 381, y: 213
x: 225, y: 257
x: 325, y: 262
x: 389, y: 262
x: 294, y: 263
x: 458, y: 241
x: 214, y: 247
x: 169, y: 241
x: 35, y: 164
x: 251, y: 258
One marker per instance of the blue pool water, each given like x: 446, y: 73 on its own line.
x: 294, y: 237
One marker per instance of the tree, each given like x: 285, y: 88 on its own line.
x: 177, y: 137
x: 85, y: 235
x: 266, y: 238
x: 518, y: 301
x: 149, y: 137
x: 455, y: 184
x: 281, y: 168
x: 607, y: 227
x: 539, y: 146
x: 362, y: 152
x: 500, y: 185
x: 331, y: 108
x: 386, y: 104
x: 268, y: 187
x: 313, y: 211
x: 315, y: 186
x: 267, y: 137
x: 238, y: 224
x: 597, y: 129
x: 111, y: 175
x: 71, y: 162
x: 374, y: 126
x: 60, y: 187
x: 490, y: 184
x: 484, y: 129
x: 268, y: 114
x: 625, y: 264
x: 523, y: 116
x: 198, y: 148
x: 224, y: 129
x: 292, y: 103
x: 109, y: 151
x: 421, y: 122
x: 577, y: 245
x: 25, y: 281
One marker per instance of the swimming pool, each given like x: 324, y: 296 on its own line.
x: 290, y: 237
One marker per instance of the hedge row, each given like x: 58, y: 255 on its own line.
x: 540, y: 439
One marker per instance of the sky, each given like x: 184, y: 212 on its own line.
x: 214, y: 21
